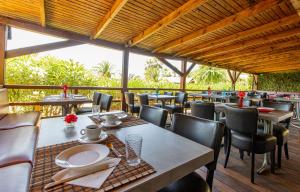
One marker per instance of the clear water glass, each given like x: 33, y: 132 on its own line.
x: 95, y: 109
x: 133, y: 144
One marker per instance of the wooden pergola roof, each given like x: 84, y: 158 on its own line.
x: 246, y: 35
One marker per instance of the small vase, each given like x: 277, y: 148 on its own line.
x: 70, y: 125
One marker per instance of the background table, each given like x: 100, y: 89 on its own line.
x: 269, y: 119
x: 171, y: 155
x: 65, y: 103
x: 162, y: 98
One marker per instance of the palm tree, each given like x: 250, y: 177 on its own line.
x: 209, y: 74
x: 104, y: 69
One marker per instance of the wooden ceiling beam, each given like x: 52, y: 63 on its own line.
x: 173, y: 16
x: 262, y: 57
x: 241, y: 35
x: 272, y: 64
x: 253, y: 57
x: 110, y: 15
x: 172, y: 67
x: 296, y: 5
x: 52, y: 31
x: 278, y: 47
x: 190, y: 68
x: 40, y: 48
x: 246, y: 13
x: 246, y: 44
x: 42, y: 13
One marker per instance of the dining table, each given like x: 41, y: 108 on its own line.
x: 162, y: 98
x: 295, y: 101
x: 268, y: 119
x: 172, y: 156
x: 65, y: 102
x: 211, y: 97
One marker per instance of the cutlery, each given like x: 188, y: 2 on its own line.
x: 117, y: 153
x: 82, y: 174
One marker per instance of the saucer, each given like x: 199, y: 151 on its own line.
x: 115, y: 124
x: 84, y: 139
x: 122, y: 116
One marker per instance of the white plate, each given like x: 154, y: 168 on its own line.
x: 121, y: 116
x: 116, y: 123
x: 102, y: 137
x: 81, y: 156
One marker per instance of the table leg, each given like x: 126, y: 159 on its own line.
x: 65, y: 110
x: 163, y: 103
x: 268, y: 128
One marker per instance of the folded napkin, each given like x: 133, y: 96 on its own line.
x: 94, y: 180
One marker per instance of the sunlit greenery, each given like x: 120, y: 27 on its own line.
x: 49, y: 70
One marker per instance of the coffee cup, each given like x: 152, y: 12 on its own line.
x: 92, y: 132
x: 110, y: 119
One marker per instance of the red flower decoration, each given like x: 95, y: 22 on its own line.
x: 71, y: 118
x: 65, y: 87
x: 242, y: 94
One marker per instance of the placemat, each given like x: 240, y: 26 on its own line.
x: 44, y: 168
x: 128, y: 122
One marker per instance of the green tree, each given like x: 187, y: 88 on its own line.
x: 209, y: 74
x: 104, y: 69
x: 153, y: 70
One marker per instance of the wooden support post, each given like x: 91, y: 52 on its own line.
x: 183, y: 76
x: 234, y: 76
x: 254, y: 82
x: 173, y: 68
x: 3, y: 39
x: 125, y: 66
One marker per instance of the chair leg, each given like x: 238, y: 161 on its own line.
x: 228, y: 148
x: 210, y: 177
x: 273, y: 161
x: 241, y: 154
x: 286, y: 151
x: 252, y: 166
x: 225, y: 141
x: 279, y: 152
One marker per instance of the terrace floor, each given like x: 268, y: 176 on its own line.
x: 236, y: 177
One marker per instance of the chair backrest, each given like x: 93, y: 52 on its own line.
x: 96, y: 98
x: 105, y: 102
x: 241, y: 120
x: 143, y: 99
x: 181, y: 98
x: 203, y: 110
x: 284, y: 106
x: 202, y: 131
x: 233, y: 99
x: 168, y: 93
x: 129, y: 98
x: 154, y: 115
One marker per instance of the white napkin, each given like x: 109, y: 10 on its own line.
x: 94, y: 180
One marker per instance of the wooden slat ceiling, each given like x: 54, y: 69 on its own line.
x: 246, y: 35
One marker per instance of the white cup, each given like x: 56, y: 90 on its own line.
x: 110, y: 119
x: 92, y: 132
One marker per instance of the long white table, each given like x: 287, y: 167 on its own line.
x: 171, y: 155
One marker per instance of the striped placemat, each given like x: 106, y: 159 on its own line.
x: 128, y: 122
x: 44, y: 168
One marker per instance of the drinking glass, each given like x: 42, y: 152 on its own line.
x: 95, y: 109
x: 133, y: 144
